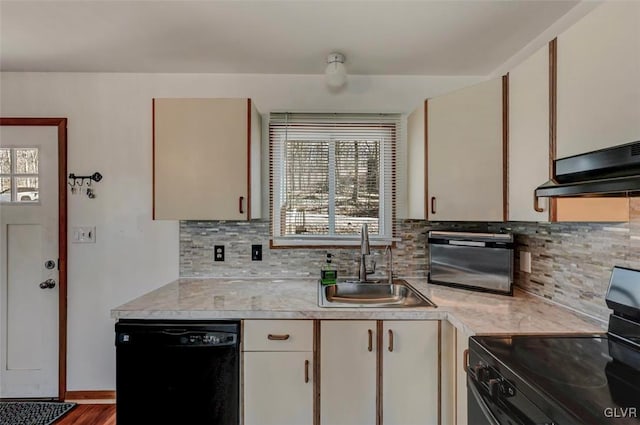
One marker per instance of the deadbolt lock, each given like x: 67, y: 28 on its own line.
x: 49, y: 264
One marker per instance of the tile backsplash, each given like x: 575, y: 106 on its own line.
x: 571, y: 262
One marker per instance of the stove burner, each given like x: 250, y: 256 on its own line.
x: 540, y: 360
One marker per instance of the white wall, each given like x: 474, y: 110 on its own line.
x: 109, y: 130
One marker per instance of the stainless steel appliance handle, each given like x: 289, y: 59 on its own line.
x: 468, y: 243
x: 488, y: 414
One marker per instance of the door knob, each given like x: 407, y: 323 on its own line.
x: 48, y: 284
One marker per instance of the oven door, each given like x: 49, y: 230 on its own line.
x: 485, y: 409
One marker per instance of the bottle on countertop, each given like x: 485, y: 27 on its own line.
x: 328, y: 274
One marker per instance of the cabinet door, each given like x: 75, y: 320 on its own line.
x: 529, y: 136
x: 416, y: 122
x: 348, y: 372
x: 599, y: 80
x: 465, y: 169
x: 410, y: 372
x: 276, y: 389
x: 462, y: 345
x: 201, y: 159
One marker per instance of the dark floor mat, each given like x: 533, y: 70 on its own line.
x: 32, y: 412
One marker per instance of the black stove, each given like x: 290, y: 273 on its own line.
x: 562, y: 379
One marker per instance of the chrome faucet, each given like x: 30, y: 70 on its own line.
x: 389, y: 254
x: 365, y: 250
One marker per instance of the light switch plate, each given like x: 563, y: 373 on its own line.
x: 525, y: 261
x: 83, y: 234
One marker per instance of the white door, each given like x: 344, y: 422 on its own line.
x: 465, y: 154
x: 410, y: 372
x: 348, y: 372
x: 278, y: 388
x: 28, y: 239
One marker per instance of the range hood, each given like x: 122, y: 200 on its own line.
x: 607, y: 171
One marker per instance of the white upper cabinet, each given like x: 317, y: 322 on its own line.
x: 599, y: 80
x: 416, y: 189
x: 464, y: 151
x: 529, y: 136
x: 202, y: 159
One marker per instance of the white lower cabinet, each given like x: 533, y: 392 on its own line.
x: 278, y: 378
x: 278, y: 388
x: 410, y: 372
x: 349, y: 372
x: 462, y: 348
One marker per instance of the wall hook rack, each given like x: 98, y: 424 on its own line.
x: 76, y: 186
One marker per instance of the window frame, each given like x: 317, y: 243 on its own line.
x: 387, y: 201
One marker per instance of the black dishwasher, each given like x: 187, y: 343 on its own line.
x: 177, y: 372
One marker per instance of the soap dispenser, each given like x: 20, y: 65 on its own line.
x: 328, y: 274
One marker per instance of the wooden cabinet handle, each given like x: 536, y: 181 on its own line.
x: 272, y: 337
x: 465, y: 360
x: 536, y: 204
x: 306, y: 371
x: 433, y: 205
x: 241, y: 204
x: 390, y: 340
x: 370, y: 348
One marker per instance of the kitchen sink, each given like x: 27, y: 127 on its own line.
x: 371, y: 294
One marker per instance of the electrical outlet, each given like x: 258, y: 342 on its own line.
x: 525, y: 261
x: 218, y: 253
x: 84, y: 234
x: 256, y: 252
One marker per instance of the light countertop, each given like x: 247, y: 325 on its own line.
x: 470, y: 312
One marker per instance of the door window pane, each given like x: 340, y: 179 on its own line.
x: 5, y: 161
x: 5, y: 189
x: 27, y: 189
x: 27, y: 161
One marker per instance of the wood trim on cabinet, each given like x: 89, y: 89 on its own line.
x: 455, y: 375
x: 505, y: 147
x: 249, y: 110
x: 553, y: 120
x: 153, y: 159
x: 316, y: 372
x: 426, y: 159
x: 61, y: 123
x: 91, y: 395
x: 439, y: 372
x: 379, y: 371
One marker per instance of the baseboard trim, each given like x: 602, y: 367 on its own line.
x: 95, y: 396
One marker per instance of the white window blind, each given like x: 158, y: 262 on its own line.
x: 329, y: 174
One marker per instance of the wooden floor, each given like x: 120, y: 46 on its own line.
x: 90, y: 414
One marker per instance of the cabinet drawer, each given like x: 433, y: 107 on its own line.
x: 278, y: 335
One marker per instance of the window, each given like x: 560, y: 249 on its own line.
x: 329, y: 174
x: 19, y: 175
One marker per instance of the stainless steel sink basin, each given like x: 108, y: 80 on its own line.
x: 398, y: 294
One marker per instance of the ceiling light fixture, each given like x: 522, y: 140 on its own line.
x: 336, y: 73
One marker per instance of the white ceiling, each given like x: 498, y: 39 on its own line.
x: 271, y: 37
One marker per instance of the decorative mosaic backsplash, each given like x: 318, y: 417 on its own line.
x: 197, y: 239
x: 571, y: 262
